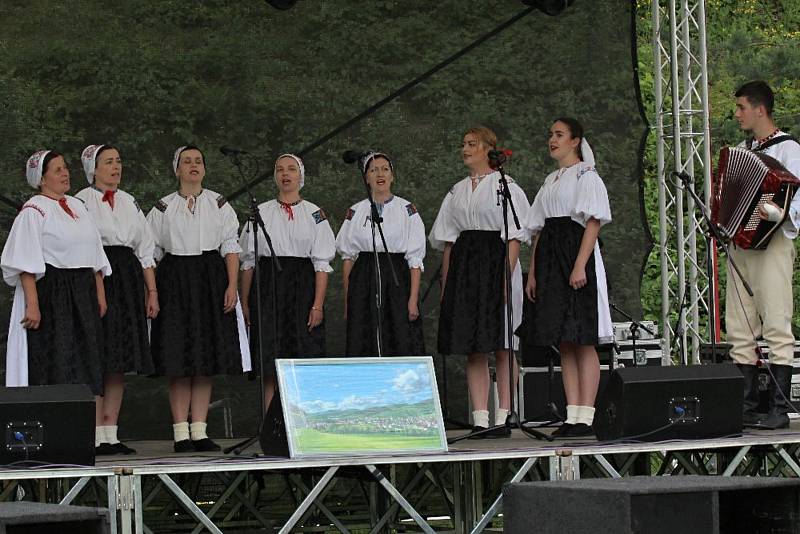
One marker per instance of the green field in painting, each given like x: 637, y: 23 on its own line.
x: 309, y: 440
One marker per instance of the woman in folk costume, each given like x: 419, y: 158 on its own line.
x: 471, y: 231
x: 567, y: 280
x: 130, y: 291
x: 401, y: 325
x: 199, y: 331
x: 304, y: 244
x: 54, y: 258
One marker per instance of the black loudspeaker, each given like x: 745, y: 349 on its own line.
x: 674, y: 402
x: 53, y: 424
x: 41, y: 518
x: 273, y: 438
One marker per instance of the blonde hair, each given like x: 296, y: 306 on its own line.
x: 485, y: 135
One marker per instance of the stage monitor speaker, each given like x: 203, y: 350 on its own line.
x: 52, y: 424
x: 674, y: 402
x: 273, y: 438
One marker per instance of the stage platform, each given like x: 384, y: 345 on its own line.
x: 458, y: 491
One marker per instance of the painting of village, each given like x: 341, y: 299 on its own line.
x: 360, y: 406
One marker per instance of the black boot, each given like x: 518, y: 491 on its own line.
x: 750, y: 415
x: 779, y: 394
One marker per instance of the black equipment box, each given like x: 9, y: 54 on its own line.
x: 53, y: 424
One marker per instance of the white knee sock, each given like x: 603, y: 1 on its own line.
x: 480, y: 418
x: 572, y: 414
x: 586, y: 415
x: 111, y: 434
x: 181, y: 431
x: 500, y: 416
x: 99, y: 435
x: 198, y: 431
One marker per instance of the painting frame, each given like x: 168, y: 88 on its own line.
x: 324, y: 421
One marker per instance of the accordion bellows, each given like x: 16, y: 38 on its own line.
x: 743, y: 182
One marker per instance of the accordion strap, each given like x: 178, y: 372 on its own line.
x: 772, y: 142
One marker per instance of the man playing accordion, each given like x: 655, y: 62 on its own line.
x: 768, y: 271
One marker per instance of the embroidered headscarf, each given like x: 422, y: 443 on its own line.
x: 586, y: 152
x: 34, y: 169
x: 369, y: 156
x: 89, y: 160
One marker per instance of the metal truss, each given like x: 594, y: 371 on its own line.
x: 683, y: 146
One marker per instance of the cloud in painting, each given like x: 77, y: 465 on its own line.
x: 412, y: 381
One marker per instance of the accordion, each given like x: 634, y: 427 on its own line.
x: 743, y: 182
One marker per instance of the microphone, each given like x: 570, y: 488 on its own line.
x: 498, y: 156
x: 230, y: 151
x: 683, y: 177
x: 351, y: 156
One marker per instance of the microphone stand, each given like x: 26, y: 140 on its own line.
x: 255, y: 222
x: 512, y: 420
x: 376, y: 220
x: 634, y: 329
x: 714, y: 233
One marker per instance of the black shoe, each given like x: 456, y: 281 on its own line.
x: 499, y: 432
x: 780, y: 390
x: 578, y: 430
x: 478, y: 429
x: 205, y: 445
x: 750, y: 415
x: 184, y: 445
x: 105, y: 449
x: 563, y: 429
x: 121, y: 448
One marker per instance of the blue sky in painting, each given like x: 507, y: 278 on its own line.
x: 347, y: 386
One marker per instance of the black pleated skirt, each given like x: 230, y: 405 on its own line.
x: 192, y: 336
x: 400, y: 337
x: 471, y: 316
x: 67, y: 347
x: 126, y: 345
x: 294, y: 296
x: 560, y: 313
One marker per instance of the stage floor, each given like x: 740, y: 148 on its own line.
x: 159, y: 455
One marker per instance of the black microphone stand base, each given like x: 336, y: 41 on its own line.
x: 240, y: 447
x: 510, y: 424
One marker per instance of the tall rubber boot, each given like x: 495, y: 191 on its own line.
x: 750, y: 415
x: 779, y: 393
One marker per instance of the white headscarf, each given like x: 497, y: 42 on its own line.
x: 35, y: 168
x: 176, y: 158
x: 372, y: 155
x: 586, y: 152
x: 89, y: 160
x: 299, y: 165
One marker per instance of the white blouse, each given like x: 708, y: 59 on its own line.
x: 43, y: 233
x: 577, y: 192
x: 464, y: 209
x: 125, y: 225
x: 178, y: 231
x: 307, y: 235
x: 402, y: 227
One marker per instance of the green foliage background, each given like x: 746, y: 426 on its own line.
x: 150, y: 75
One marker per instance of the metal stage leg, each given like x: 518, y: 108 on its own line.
x: 322, y: 508
x: 495, y: 507
x: 565, y: 466
x: 190, y: 506
x: 126, y: 499
x: 111, y: 491
x: 789, y: 460
x: 76, y: 489
x: 231, y: 490
x: 423, y: 471
x: 309, y: 500
x: 397, y: 496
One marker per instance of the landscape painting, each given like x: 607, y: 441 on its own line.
x: 361, y: 406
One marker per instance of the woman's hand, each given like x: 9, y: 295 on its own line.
x: 101, y: 304
x: 33, y: 317
x: 151, y: 304
x: 530, y: 287
x: 774, y: 213
x: 578, y: 277
x: 246, y: 312
x: 230, y: 299
x: 315, y: 315
x: 413, y: 310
